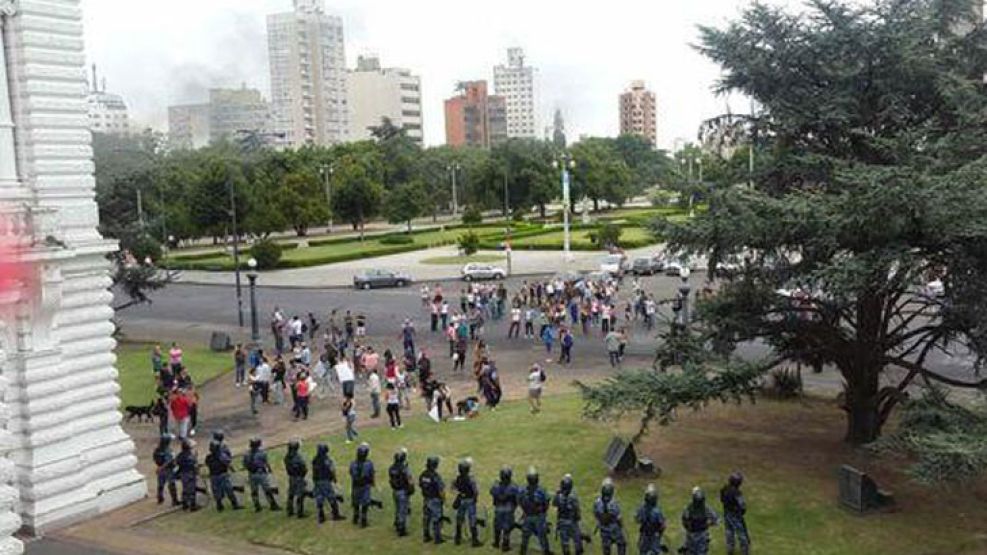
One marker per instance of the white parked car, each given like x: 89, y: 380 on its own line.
x: 674, y: 265
x: 614, y: 264
x: 472, y: 272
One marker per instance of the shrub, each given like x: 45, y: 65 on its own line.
x: 472, y: 216
x: 607, y: 236
x: 786, y: 383
x: 267, y: 253
x: 469, y: 242
x: 144, y: 246
x: 397, y: 240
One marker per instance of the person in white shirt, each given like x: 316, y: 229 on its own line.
x: 295, y: 330
x: 373, y: 383
x: 263, y: 378
x: 344, y: 373
x: 515, y: 328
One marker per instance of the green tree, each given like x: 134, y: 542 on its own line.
x: 356, y: 194
x: 406, y: 202
x: 301, y: 200
x: 600, y: 173
x: 873, y: 122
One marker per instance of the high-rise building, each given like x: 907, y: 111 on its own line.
x: 558, y: 130
x: 233, y: 111
x: 375, y: 93
x: 638, y: 112
x: 107, y: 111
x: 516, y: 83
x: 474, y: 118
x: 308, y: 75
x: 188, y: 125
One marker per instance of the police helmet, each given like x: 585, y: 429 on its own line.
x: 651, y: 495
x: 255, y: 443
x: 401, y: 455
x: 432, y: 462
x: 293, y: 445
x: 606, y: 490
x: 506, y: 474
x: 532, y: 476
x: 566, y: 484
x: 218, y: 435
x: 322, y: 450
x: 465, y: 465
x: 363, y: 451
x: 698, y: 497
x: 736, y: 479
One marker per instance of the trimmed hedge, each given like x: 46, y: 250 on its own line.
x: 396, y: 240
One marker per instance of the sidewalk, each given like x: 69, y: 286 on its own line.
x: 341, y: 274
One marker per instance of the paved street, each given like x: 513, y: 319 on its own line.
x: 341, y: 274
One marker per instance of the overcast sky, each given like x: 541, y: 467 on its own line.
x: 156, y: 53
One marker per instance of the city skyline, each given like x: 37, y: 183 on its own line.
x: 157, y: 55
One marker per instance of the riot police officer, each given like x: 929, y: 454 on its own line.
x: 219, y: 462
x: 362, y: 479
x: 696, y: 519
x: 465, y: 503
x: 651, y: 524
x: 402, y: 486
x: 607, y: 513
x: 165, y: 462
x: 433, y: 497
x: 734, y: 508
x: 294, y: 467
x: 187, y: 462
x: 534, y: 506
x: 569, y: 515
x: 259, y: 472
x: 505, y: 497
x: 324, y: 482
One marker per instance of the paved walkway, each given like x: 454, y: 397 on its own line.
x: 341, y: 274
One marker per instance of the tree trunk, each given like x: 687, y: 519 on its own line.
x: 541, y: 210
x: 596, y: 205
x: 862, y: 407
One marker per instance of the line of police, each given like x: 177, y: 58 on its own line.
x: 507, y: 497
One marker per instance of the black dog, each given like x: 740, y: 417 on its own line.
x: 140, y: 412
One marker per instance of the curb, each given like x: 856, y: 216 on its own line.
x: 344, y: 287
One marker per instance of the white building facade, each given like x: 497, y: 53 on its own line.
x: 376, y: 93
x: 308, y: 75
x: 516, y: 83
x: 189, y: 126
x: 61, y: 442
x: 107, y: 111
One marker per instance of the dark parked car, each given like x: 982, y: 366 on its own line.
x: 380, y: 278
x: 646, y: 266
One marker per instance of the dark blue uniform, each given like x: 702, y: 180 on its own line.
x: 219, y: 464
x: 465, y: 506
x: 534, y: 506
x: 505, y: 505
x: 651, y: 523
x: 259, y: 471
x: 569, y: 516
x: 433, y: 490
x: 294, y: 467
x: 362, y: 478
x: 403, y: 488
x: 324, y: 480
x: 165, y: 461
x: 188, y: 465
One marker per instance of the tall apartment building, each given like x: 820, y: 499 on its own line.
x: 188, y: 126
x: 474, y: 118
x: 638, y: 112
x: 375, y: 93
x: 516, y: 83
x: 308, y: 75
x: 107, y: 111
x: 232, y: 111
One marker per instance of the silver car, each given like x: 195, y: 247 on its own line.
x: 474, y: 272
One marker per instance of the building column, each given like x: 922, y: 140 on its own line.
x: 8, y: 161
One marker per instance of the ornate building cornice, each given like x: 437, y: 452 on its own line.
x: 8, y: 7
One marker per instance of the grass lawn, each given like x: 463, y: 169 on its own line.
x: 789, y: 453
x: 580, y: 239
x: 348, y: 250
x: 137, y: 380
x: 457, y: 260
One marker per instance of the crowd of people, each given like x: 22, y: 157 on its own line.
x: 312, y: 358
x: 506, y: 498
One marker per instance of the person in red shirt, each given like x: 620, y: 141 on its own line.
x: 302, y: 390
x: 179, y: 405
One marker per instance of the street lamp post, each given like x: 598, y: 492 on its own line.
x: 326, y: 171
x: 254, y: 328
x: 565, y: 163
x: 236, y: 250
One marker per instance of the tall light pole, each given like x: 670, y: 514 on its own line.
x: 236, y: 248
x: 565, y: 162
x: 325, y: 170
x: 254, y: 328
x: 453, y: 168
